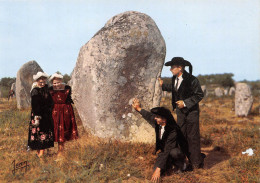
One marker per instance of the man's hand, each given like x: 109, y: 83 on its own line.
x: 136, y: 105
x: 156, y: 175
x: 180, y: 104
x: 160, y: 82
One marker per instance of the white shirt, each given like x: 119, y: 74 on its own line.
x: 162, y: 131
x: 180, y: 78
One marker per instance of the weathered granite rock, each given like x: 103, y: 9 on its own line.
x: 219, y: 92
x: 69, y: 83
x: 232, y: 91
x: 226, y: 90
x: 122, y: 61
x: 24, y: 81
x: 243, y: 99
x: 13, y: 87
x: 205, y: 91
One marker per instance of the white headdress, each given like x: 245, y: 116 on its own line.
x: 40, y: 74
x: 55, y: 75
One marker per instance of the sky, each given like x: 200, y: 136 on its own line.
x: 216, y: 36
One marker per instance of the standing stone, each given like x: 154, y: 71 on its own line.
x: 24, y: 81
x: 232, y: 91
x: 1, y: 95
x: 69, y: 83
x: 226, y: 90
x: 219, y: 92
x: 205, y: 91
x: 13, y: 88
x: 243, y: 99
x: 122, y: 61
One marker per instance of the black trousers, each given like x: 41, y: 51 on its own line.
x: 189, y: 124
x: 177, y: 158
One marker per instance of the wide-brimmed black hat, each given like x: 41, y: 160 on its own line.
x: 179, y: 61
x: 161, y: 111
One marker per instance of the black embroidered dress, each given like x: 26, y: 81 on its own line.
x: 41, y: 136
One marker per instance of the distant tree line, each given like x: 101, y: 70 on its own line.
x: 7, y: 82
x: 5, y: 85
x: 224, y: 80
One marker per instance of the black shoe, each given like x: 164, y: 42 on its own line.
x: 189, y: 168
x: 203, y: 156
x: 201, y: 165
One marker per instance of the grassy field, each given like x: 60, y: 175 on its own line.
x: 89, y: 159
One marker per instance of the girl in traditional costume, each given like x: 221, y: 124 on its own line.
x: 41, y: 126
x: 65, y: 127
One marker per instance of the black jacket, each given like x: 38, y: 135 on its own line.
x: 42, y: 106
x: 189, y: 91
x: 172, y: 138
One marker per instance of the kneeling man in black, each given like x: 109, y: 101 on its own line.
x: 169, y: 139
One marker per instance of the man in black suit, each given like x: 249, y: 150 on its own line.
x: 169, y: 139
x: 186, y: 95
